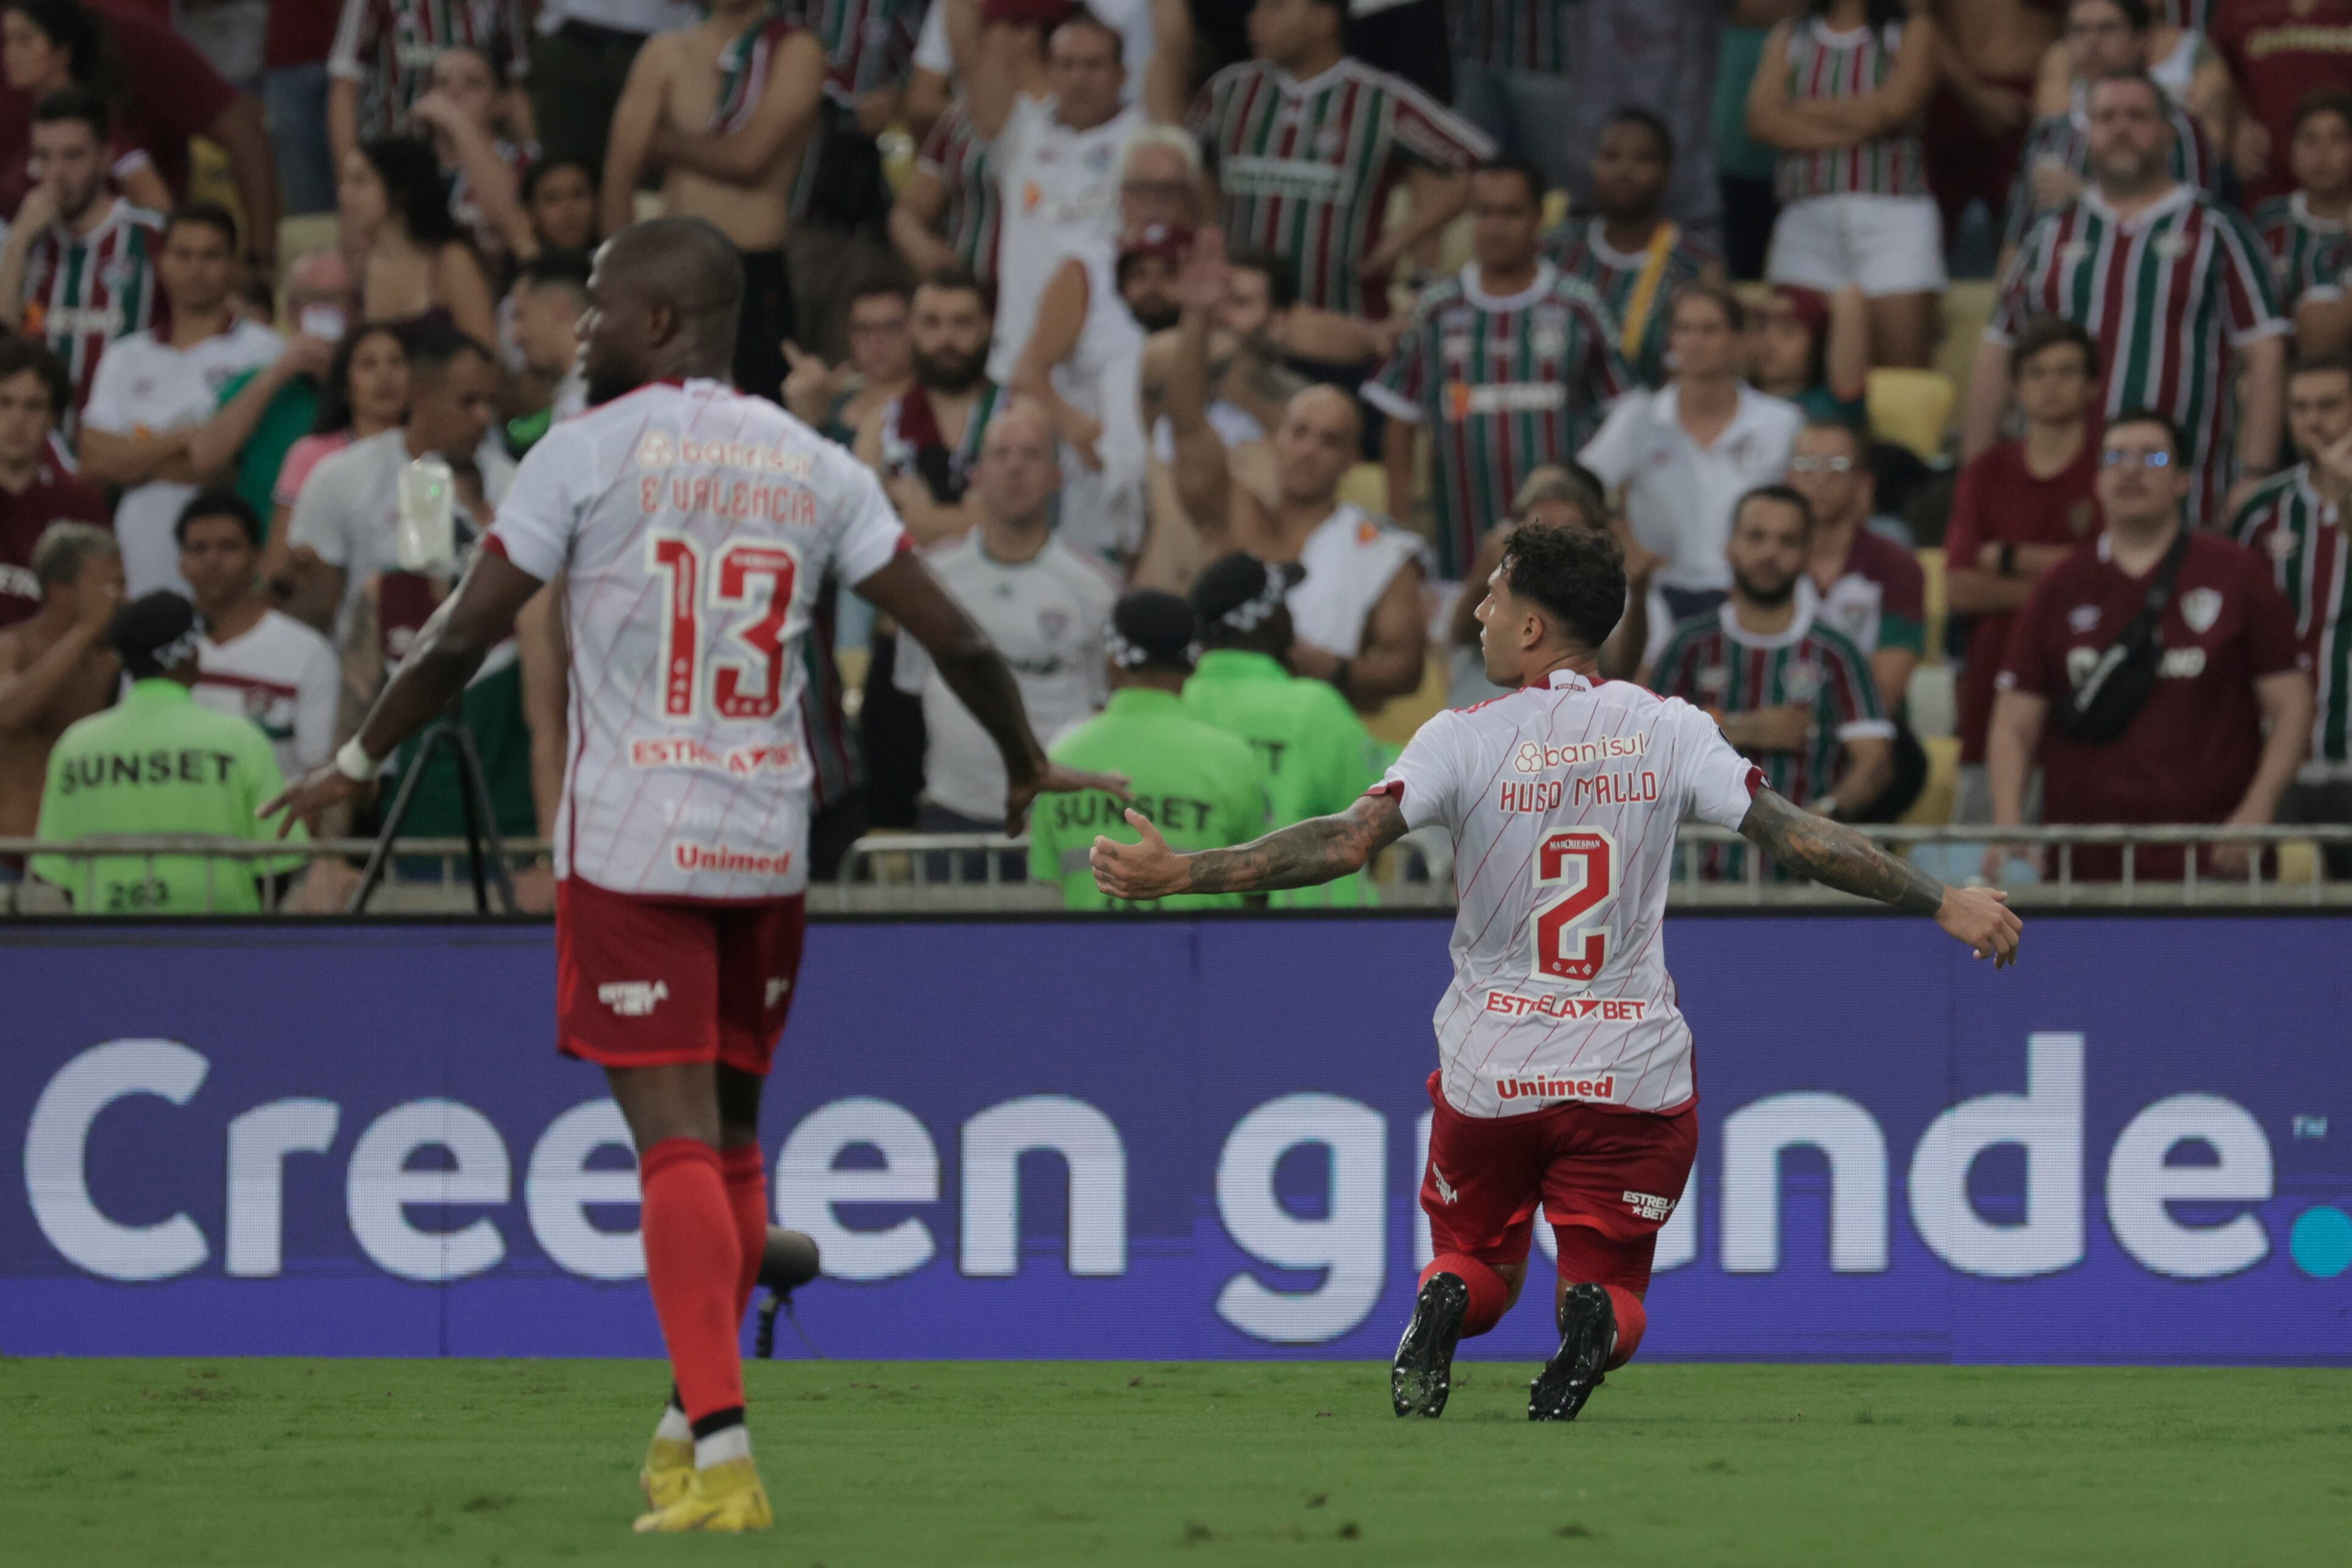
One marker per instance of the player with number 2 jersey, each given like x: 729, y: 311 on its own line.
x: 1565, y: 1076
x: 692, y: 526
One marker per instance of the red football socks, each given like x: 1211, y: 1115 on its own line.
x: 1633, y: 1321
x: 692, y: 1263
x: 1489, y: 1293
x: 746, y: 1170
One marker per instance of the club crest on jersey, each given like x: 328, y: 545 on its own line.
x: 2169, y: 247
x: 2082, y: 618
x: 1053, y: 623
x: 2280, y: 544
x: 2201, y: 608
x: 1549, y: 341
x: 1803, y: 682
x: 2075, y: 251
x: 1713, y: 682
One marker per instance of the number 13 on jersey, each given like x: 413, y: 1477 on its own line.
x: 1571, y: 932
x: 740, y: 689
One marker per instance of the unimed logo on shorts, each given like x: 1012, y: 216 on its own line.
x: 633, y: 999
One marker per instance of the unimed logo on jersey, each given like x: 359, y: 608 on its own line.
x: 1555, y: 1086
x: 690, y: 856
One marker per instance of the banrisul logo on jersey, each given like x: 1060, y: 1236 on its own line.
x: 1213, y: 1146
x: 1542, y: 757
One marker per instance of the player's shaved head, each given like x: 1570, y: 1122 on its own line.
x: 663, y: 300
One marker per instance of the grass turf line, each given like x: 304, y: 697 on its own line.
x: 259, y: 1463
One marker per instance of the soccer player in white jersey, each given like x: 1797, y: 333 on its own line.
x: 1565, y: 1065
x: 693, y: 526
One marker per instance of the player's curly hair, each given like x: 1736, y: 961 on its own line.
x: 1576, y: 575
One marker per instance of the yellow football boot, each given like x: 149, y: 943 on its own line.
x: 668, y: 1471
x: 724, y: 1498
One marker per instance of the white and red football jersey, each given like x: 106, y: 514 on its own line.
x: 1563, y: 801
x: 692, y: 526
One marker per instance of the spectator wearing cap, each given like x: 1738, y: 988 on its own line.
x: 2207, y: 726
x: 56, y: 667
x: 2296, y: 521
x: 2018, y: 510
x: 158, y: 763
x: 1812, y: 349
x: 1677, y: 460
x: 1084, y: 366
x: 255, y: 660
x: 1503, y: 367
x: 1316, y: 753
x: 1044, y: 605
x: 36, y: 489
x: 1200, y: 786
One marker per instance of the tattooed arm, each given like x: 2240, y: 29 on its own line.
x: 1304, y: 853
x: 1836, y: 856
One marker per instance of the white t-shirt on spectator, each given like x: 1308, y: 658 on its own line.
x: 1047, y: 615
x: 1131, y: 19
x: 1679, y: 496
x: 284, y: 677
x: 145, y: 384
x: 646, y: 16
x: 1350, y: 559
x: 1056, y: 188
x: 348, y: 514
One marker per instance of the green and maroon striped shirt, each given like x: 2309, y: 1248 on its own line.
x: 1711, y: 662
x: 1581, y: 252
x: 82, y: 296
x: 956, y: 155
x: 2298, y: 531
x: 1502, y: 386
x: 1306, y: 167
x: 1821, y: 65
x: 388, y: 47
x: 1510, y: 34
x: 2308, y: 255
x: 2170, y: 294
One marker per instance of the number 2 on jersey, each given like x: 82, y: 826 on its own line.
x: 1571, y: 933
x: 750, y: 690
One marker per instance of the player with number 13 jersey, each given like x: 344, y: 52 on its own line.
x: 1565, y: 1076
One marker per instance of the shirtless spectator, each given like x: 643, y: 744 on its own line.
x: 1358, y: 612
x: 1988, y: 53
x: 57, y: 667
x: 725, y: 155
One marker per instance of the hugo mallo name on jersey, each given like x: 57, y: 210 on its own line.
x: 692, y: 526
x: 1563, y: 801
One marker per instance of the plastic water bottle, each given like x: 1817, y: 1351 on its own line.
x: 426, y: 540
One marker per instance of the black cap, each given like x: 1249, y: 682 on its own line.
x: 154, y: 632
x: 1238, y: 592
x: 1149, y: 627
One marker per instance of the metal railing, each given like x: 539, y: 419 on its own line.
x: 962, y: 873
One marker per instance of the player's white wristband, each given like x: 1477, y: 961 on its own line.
x: 354, y: 762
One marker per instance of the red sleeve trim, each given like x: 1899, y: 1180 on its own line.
x: 1755, y: 781
x: 496, y: 545
x: 1393, y: 787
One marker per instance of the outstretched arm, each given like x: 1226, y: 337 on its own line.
x: 1319, y: 849
x: 1836, y: 856
x: 473, y: 620
x: 977, y: 673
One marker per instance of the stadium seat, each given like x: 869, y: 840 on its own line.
x: 1933, y: 612
x: 1912, y: 409
x: 1400, y: 716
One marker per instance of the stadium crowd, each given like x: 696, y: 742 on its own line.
x: 1210, y: 348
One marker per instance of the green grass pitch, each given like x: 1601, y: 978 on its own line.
x: 259, y: 1463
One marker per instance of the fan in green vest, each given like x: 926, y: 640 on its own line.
x: 1197, y: 785
x: 1314, y: 751
x: 157, y: 763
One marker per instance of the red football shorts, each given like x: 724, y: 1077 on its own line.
x: 649, y: 982
x: 1606, y: 1178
